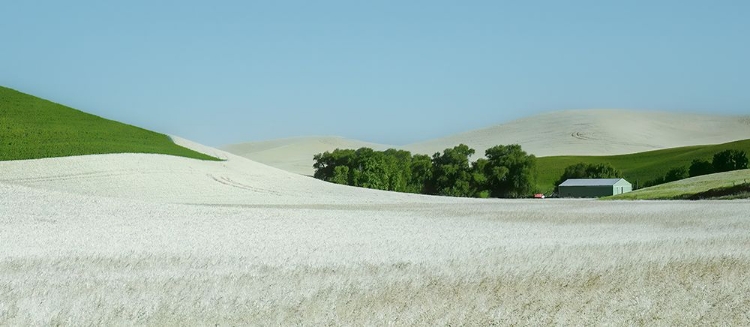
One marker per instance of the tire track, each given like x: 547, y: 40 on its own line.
x: 229, y: 182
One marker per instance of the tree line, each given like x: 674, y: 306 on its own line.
x: 727, y: 160
x: 506, y: 171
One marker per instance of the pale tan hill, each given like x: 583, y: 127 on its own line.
x: 570, y: 132
x: 171, y: 179
x: 296, y: 154
x: 598, y: 132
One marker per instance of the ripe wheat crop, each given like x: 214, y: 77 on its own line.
x: 71, y: 260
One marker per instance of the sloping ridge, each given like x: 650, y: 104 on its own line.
x: 59, y: 150
x: 36, y: 128
x: 295, y: 154
x: 571, y: 132
x: 694, y: 188
x: 599, y: 132
x: 236, y: 181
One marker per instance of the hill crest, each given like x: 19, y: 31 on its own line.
x: 569, y: 132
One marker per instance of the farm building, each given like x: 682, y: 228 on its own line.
x: 593, y: 188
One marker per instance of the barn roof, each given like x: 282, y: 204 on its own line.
x: 592, y: 182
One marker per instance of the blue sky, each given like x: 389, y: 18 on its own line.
x: 382, y: 71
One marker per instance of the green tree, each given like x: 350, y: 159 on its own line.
x: 369, y: 169
x: 325, y: 163
x: 394, y: 170
x: 506, y: 172
x: 510, y: 172
x: 729, y: 160
x: 603, y: 171
x: 700, y: 167
x: 398, y: 167
x: 421, y: 174
x: 341, y: 175
x: 676, y: 174
x: 740, y: 160
x: 479, y: 179
x: 451, y: 172
x: 584, y: 170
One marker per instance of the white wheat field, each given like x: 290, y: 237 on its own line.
x: 158, y: 240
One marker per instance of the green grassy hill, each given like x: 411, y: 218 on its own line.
x: 637, y: 168
x: 729, y: 185
x: 32, y: 128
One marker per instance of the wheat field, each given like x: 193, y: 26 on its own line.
x: 68, y: 261
x: 139, y: 239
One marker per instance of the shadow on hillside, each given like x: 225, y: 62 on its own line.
x: 741, y: 191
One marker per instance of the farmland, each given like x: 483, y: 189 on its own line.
x: 163, y: 240
x: 464, y: 262
x: 638, y: 167
x: 728, y: 185
x: 159, y: 239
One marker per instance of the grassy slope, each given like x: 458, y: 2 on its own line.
x: 638, y: 167
x: 31, y: 128
x: 687, y: 187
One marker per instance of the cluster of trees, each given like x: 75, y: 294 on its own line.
x: 393, y: 170
x: 506, y: 171
x: 723, y: 161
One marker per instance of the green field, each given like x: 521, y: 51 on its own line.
x: 32, y: 128
x: 637, y: 168
x: 729, y: 185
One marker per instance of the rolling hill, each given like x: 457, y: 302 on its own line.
x: 172, y: 179
x: 153, y: 239
x: 728, y: 185
x: 32, y: 128
x: 601, y: 132
x: 638, y: 168
x: 295, y: 154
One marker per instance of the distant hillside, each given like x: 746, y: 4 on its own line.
x: 596, y: 132
x: 295, y: 154
x: 32, y: 128
x: 637, y: 168
x: 729, y: 185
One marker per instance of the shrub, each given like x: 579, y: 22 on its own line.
x: 700, y: 167
x: 729, y: 160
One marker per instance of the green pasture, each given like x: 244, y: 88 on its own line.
x: 728, y: 185
x: 637, y: 168
x: 32, y: 128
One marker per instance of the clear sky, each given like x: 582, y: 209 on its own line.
x: 393, y: 72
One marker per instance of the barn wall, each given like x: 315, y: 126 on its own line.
x: 585, y: 191
x: 622, y: 187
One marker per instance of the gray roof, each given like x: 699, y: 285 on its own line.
x: 592, y: 182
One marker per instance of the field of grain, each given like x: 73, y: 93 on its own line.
x: 137, y: 239
x: 94, y: 261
